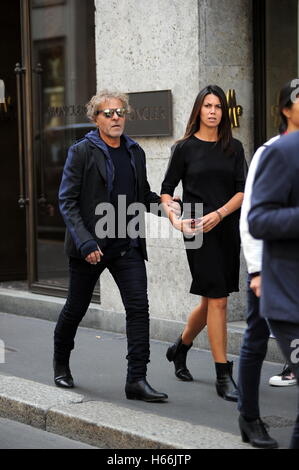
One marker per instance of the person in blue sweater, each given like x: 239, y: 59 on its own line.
x: 255, y: 341
x: 274, y: 218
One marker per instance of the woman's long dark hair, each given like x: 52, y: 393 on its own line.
x: 285, y: 101
x: 224, y: 130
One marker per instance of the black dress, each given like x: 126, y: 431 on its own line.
x: 211, y: 177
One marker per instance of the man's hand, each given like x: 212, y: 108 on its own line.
x: 94, y: 257
x: 256, y: 284
x: 175, y: 206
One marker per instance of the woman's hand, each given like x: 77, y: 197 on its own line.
x: 174, y: 206
x: 186, y: 226
x: 209, y: 221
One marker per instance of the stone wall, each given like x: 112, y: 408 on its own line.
x: 181, y: 46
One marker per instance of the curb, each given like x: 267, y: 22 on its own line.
x: 103, y: 424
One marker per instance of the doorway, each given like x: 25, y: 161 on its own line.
x: 13, y: 256
x: 57, y: 76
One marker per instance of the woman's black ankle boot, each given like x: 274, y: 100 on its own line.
x: 177, y: 353
x: 256, y: 434
x: 225, y: 385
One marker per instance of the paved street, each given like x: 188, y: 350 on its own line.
x: 14, y: 435
x: 99, y: 369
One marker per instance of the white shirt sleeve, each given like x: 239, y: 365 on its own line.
x: 252, y: 248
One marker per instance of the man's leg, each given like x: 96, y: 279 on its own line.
x: 287, y: 335
x: 252, y: 355
x: 83, y: 277
x: 253, y: 352
x: 129, y: 274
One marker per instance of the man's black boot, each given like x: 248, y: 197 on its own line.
x: 62, y: 374
x: 177, y: 353
x: 225, y: 385
x: 256, y: 433
x: 141, y: 390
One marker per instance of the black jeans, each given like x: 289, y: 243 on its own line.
x: 287, y: 335
x: 253, y: 352
x: 129, y: 274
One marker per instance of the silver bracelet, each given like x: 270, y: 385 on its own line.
x: 219, y: 215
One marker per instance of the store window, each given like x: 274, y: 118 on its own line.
x: 282, y: 61
x: 276, y: 60
x: 63, y: 80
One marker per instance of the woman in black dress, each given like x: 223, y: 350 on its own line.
x: 211, y: 166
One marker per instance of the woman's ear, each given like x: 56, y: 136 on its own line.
x: 286, y: 112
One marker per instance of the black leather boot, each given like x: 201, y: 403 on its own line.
x: 256, y: 434
x: 141, y: 390
x: 225, y: 385
x: 177, y: 353
x: 62, y: 375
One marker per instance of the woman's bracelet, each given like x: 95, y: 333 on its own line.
x: 219, y: 215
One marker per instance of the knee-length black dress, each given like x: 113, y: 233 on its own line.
x: 211, y: 177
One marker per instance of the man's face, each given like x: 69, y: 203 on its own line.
x: 111, y: 127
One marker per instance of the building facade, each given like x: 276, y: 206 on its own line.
x: 68, y: 49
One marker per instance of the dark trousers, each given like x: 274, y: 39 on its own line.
x: 287, y: 335
x: 129, y: 274
x: 253, y: 352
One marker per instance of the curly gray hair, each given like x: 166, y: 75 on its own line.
x: 103, y: 96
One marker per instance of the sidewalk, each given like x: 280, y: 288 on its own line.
x: 97, y: 411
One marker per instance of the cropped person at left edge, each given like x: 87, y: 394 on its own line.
x: 101, y: 167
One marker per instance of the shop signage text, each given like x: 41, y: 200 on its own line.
x: 150, y: 114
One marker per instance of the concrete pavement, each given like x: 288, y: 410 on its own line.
x: 97, y: 412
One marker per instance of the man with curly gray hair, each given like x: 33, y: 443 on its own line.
x: 103, y: 167
x: 104, y: 95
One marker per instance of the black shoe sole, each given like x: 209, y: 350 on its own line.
x: 184, y: 379
x: 235, y: 400
x: 64, y: 386
x: 133, y: 396
x: 247, y: 441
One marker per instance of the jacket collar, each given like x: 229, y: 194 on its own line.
x: 94, y: 137
x: 105, y: 165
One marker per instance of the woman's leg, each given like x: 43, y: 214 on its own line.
x: 177, y: 353
x: 217, y: 328
x: 197, y: 320
x: 217, y: 332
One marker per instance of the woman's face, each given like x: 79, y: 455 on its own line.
x: 292, y: 115
x: 211, y: 112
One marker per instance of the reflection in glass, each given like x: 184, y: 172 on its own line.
x: 281, y: 54
x: 63, y: 44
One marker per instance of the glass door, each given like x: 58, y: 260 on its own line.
x: 60, y: 77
